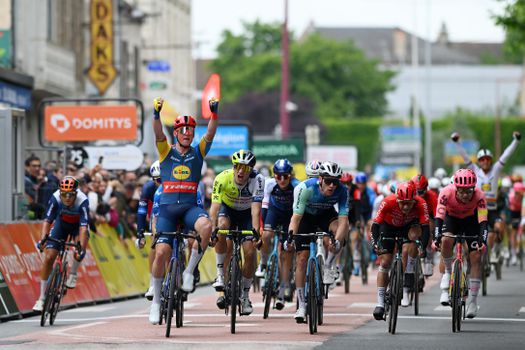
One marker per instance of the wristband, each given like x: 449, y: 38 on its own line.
x: 214, y: 116
x: 156, y: 115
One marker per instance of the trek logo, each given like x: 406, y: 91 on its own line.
x: 176, y: 187
x: 181, y: 172
x: 90, y: 123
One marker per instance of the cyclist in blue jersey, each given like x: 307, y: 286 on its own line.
x: 68, y: 209
x: 146, y: 203
x: 313, y: 209
x: 180, y: 172
x: 277, y: 211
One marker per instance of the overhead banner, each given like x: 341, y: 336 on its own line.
x: 102, y: 71
x: 228, y: 139
x: 345, y: 156
x: 90, y: 123
x: 291, y: 149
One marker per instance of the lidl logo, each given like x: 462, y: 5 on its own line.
x: 181, y: 172
x: 486, y: 187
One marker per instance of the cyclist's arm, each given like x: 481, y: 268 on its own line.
x: 268, y: 186
x: 257, y: 198
x: 508, y: 152
x: 148, y: 192
x: 212, y: 129
x: 294, y: 223
x: 214, y: 213
x: 464, y: 154
x: 256, y: 216
x: 46, y: 228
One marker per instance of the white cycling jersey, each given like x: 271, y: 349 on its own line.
x: 488, y: 182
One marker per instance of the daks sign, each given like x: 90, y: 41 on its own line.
x: 90, y: 123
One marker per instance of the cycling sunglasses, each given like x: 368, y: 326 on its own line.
x: 421, y: 192
x: 186, y: 130
x: 245, y: 168
x: 282, y: 176
x: 68, y: 195
x: 157, y: 180
x: 406, y: 201
x: 469, y: 190
x: 331, y: 181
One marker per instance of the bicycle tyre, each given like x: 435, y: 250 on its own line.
x: 498, y: 267
x: 456, y: 297
x: 179, y: 299
x: 171, y: 296
x: 269, y: 285
x: 484, y: 276
x: 347, y: 267
x: 417, y: 273
x: 311, y: 300
x: 320, y: 298
x: 396, y: 293
x: 364, y: 262
x: 163, y: 302
x: 59, y: 293
x: 520, y: 252
x: 50, y: 295
x: 235, y: 289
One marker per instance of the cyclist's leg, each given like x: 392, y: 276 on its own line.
x: 410, y: 253
x: 222, y: 249
x: 80, y: 235
x: 355, y: 239
x: 493, y: 238
x: 384, y: 269
x: 286, y: 261
x: 515, y: 221
x: 202, y: 225
x: 271, y: 218
x: 450, y: 227
x: 475, y: 267
x: 302, y: 248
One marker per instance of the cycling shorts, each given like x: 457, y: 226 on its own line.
x: 319, y: 222
x: 390, y: 231
x: 276, y: 218
x: 468, y: 227
x: 515, y: 219
x: 239, y: 219
x: 62, y: 231
x: 171, y: 214
x: 494, y: 216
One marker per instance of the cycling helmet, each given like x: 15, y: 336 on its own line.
x: 518, y: 187
x: 154, y: 170
x: 330, y: 169
x: 346, y: 178
x: 184, y: 120
x: 406, y: 191
x: 421, y: 182
x: 434, y: 183
x: 361, y: 178
x: 68, y: 184
x: 312, y: 168
x: 446, y: 181
x: 440, y: 173
x: 243, y: 156
x: 505, y: 183
x: 465, y: 178
x: 484, y: 153
x: 392, y: 186
x: 282, y: 166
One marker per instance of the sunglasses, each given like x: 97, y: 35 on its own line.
x: 245, y: 168
x: 469, y: 190
x: 68, y: 195
x: 331, y: 181
x: 282, y: 176
x: 71, y: 169
x: 406, y: 201
x: 157, y: 180
x: 186, y: 130
x: 421, y: 192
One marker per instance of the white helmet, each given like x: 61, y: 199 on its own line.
x: 154, y: 170
x: 445, y: 181
x: 440, y: 173
x: 506, y: 182
x: 484, y: 153
x: 330, y: 169
x: 312, y: 168
x: 434, y: 183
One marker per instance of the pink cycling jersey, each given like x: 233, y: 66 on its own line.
x: 515, y: 201
x: 449, y: 204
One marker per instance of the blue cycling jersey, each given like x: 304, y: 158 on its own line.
x: 308, y: 198
x: 146, y: 201
x: 74, y: 216
x: 278, y: 198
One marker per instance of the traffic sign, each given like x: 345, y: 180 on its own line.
x: 159, y: 66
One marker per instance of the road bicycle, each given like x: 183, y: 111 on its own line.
x: 419, y: 280
x: 56, y: 286
x: 172, y: 297
x: 271, y: 275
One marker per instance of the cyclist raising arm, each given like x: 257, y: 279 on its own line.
x: 68, y: 208
x: 180, y: 172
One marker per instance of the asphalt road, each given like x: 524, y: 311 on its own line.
x: 348, y: 324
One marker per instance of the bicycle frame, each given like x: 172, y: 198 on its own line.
x: 458, y: 302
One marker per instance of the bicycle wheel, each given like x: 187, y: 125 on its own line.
x: 171, y: 295
x: 59, y: 293
x: 50, y: 295
x: 320, y: 298
x: 415, y: 291
x: 484, y: 275
x: 456, y: 297
x: 235, y: 291
x: 163, y: 299
x: 396, y: 294
x: 364, y: 261
x: 179, y: 297
x: 346, y: 260
x: 497, y: 268
x: 269, y: 285
x: 520, y: 253
x: 311, y: 299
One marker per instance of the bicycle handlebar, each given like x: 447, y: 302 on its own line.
x: 62, y: 242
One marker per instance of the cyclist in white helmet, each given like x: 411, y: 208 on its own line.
x: 312, y: 168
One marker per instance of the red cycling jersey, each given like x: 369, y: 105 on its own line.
x: 431, y: 198
x: 449, y: 204
x: 390, y: 213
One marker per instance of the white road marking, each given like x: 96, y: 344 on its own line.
x: 522, y: 310
x: 100, y: 308
x: 442, y: 308
x: 64, y: 331
x: 361, y: 305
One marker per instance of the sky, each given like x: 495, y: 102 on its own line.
x: 466, y: 20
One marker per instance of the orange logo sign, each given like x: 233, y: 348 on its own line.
x: 90, y: 123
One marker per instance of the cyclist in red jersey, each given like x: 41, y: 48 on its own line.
x: 462, y: 210
x: 431, y: 198
x: 401, y: 215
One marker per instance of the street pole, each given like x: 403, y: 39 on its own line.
x: 284, y: 117
x: 415, y: 87
x: 428, y: 117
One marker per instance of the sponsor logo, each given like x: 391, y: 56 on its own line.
x: 176, y: 187
x: 60, y: 123
x: 181, y: 172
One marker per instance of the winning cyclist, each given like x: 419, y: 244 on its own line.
x: 68, y: 209
x: 487, y: 177
x: 180, y: 172
x: 236, y: 203
x: 402, y: 215
x: 462, y: 210
x: 277, y: 211
x: 313, y: 208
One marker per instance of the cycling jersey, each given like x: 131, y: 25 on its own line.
x: 237, y: 197
x: 181, y: 173
x: 390, y: 213
x: 354, y: 204
x: 515, y: 201
x: 146, y: 203
x: 278, y: 198
x: 156, y: 200
x: 431, y: 198
x: 448, y: 204
x: 368, y: 197
x: 488, y: 182
x: 309, y: 199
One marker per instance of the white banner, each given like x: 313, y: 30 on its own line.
x: 128, y: 157
x: 345, y: 156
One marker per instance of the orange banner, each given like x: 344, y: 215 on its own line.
x: 90, y: 123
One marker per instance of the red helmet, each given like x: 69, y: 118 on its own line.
x: 465, y: 178
x: 184, y: 120
x: 406, y: 191
x: 68, y: 184
x: 346, y: 178
x: 421, y: 182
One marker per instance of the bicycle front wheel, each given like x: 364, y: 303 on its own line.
x: 312, y: 298
x: 171, y: 295
x: 456, y: 296
x: 396, y: 292
x: 417, y: 274
x: 320, y: 297
x: 235, y: 281
x: 59, y: 293
x: 50, y: 295
x: 270, y: 285
x: 484, y: 273
x: 179, y: 297
x: 346, y: 260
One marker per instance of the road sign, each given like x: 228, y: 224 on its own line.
x: 159, y: 66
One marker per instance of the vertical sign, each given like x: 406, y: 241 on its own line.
x: 102, y: 72
x: 5, y: 33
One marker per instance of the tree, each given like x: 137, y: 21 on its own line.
x: 336, y: 76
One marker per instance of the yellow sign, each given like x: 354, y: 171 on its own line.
x: 181, y: 172
x: 102, y: 72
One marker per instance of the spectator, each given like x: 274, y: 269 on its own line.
x: 48, y: 187
x: 31, y: 186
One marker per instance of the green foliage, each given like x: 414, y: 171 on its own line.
x: 513, y: 21
x: 336, y: 76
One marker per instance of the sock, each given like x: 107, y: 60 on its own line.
x: 406, y: 290
x: 300, y: 297
x: 195, y: 257
x: 246, y: 285
x: 330, y: 259
x: 43, y: 286
x: 410, y: 264
x: 264, y: 258
x: 474, y: 289
x: 381, y: 296
x: 448, y: 264
x: 219, y: 257
x: 74, y: 267
x: 157, y: 285
x: 151, y: 278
